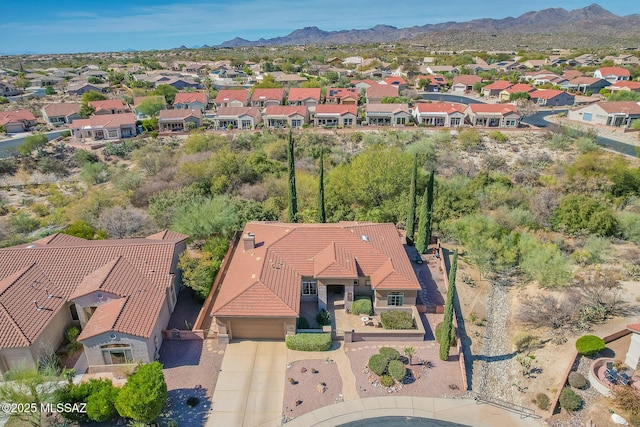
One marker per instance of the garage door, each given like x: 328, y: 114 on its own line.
x: 254, y: 328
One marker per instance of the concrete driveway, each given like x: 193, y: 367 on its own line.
x: 250, y: 386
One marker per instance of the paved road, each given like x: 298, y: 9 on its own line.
x: 7, y: 146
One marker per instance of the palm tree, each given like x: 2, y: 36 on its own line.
x: 410, y: 352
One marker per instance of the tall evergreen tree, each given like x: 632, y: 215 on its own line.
x: 447, y: 326
x: 411, y: 215
x: 293, y: 199
x: 422, y: 243
x: 322, y: 216
x: 430, y: 206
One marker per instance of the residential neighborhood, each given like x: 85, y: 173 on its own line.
x: 300, y: 232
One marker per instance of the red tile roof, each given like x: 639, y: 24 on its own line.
x: 302, y: 94
x: 582, y: 80
x: 105, y: 121
x: 190, y: 97
x: 7, y: 117
x: 64, y: 109
x: 339, y: 109
x: 614, y: 71
x: 520, y: 87
x: 52, y: 270
x: 493, y: 108
x: 467, y: 79
x: 439, y: 107
x: 626, y: 84
x: 107, y: 104
x: 628, y: 107
x: 382, y: 91
x: 395, y: 81
x: 228, y: 95
x: 285, y: 110
x: 270, y: 94
x: 266, y: 281
x: 387, y: 108
x: 179, y: 114
x: 237, y: 111
x: 498, y: 85
x: 546, y: 93
x: 342, y: 92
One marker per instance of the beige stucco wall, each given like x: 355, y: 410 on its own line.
x: 381, y: 299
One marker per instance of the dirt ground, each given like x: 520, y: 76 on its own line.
x: 305, y: 395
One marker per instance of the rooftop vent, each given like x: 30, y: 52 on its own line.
x: 37, y: 306
x: 31, y: 246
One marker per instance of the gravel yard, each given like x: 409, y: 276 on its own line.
x: 441, y: 379
x: 306, y: 395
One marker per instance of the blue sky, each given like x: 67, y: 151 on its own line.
x: 69, y: 26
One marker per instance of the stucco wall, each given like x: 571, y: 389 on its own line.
x: 381, y: 298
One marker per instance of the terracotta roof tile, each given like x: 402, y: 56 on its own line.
x: 227, y: 95
x: 614, y: 71
x: 189, y: 97
x: 301, y: 94
x: 237, y: 111
x: 263, y: 94
x: 382, y: 91
x: 439, y: 107
x: 107, y: 104
x: 285, y: 110
x: 61, y: 109
x: 334, y: 109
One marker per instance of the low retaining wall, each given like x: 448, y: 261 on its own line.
x: 377, y: 334
x: 182, y: 335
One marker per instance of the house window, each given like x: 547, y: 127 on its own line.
x: 296, y: 123
x: 395, y: 299
x: 400, y: 120
x: 455, y: 121
x: 117, y: 354
x: 348, y: 122
x: 309, y: 287
x: 74, y: 312
x: 113, y: 133
x: 355, y: 283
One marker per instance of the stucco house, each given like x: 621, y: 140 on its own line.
x: 61, y: 113
x: 191, y: 101
x: 179, y: 120
x: 17, y: 121
x: 625, y: 85
x: 612, y: 74
x: 108, y: 106
x: 464, y: 83
x: 309, y: 97
x: 552, y: 97
x: 375, y: 93
x: 232, y: 98
x: 263, y: 97
x: 342, y: 95
x: 616, y: 114
x: 493, y: 115
x: 108, y: 127
x: 281, y: 116
x: 439, y: 114
x: 120, y: 292
x: 336, y: 115
x: 237, y: 118
x: 387, y: 114
x: 278, y: 266
x: 493, y: 90
x: 585, y: 84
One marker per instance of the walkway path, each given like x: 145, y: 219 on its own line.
x: 463, y: 411
x: 349, y: 389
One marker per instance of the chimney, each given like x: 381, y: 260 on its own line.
x: 249, y: 241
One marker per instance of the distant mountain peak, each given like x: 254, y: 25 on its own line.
x: 582, y: 22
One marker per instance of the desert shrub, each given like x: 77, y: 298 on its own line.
x: 630, y: 225
x: 71, y: 335
x: 438, y: 332
x: 498, y: 136
x: 323, y: 317
x: 362, y: 305
x: 23, y: 223
x: 470, y: 139
x: 386, y: 381
x: 302, y: 323
x: 542, y: 401
x: 591, y: 252
x: 589, y: 345
x: 395, y: 319
x: 396, y: 369
x: 378, y: 364
x: 390, y: 353
x: 577, y: 212
x: 83, y: 156
x: 627, y: 398
x: 525, y: 341
x: 309, y: 342
x: 577, y: 380
x: 585, y: 144
x: 569, y: 400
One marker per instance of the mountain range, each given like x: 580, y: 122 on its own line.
x: 589, y: 21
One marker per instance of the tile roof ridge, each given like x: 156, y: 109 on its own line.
x: 122, y: 308
x: 17, y: 327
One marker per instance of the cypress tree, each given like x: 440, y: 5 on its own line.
x: 422, y: 244
x: 411, y: 215
x: 430, y: 206
x: 293, y: 199
x: 447, y: 326
x: 322, y: 216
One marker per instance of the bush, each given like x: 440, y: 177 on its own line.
x: 323, y: 317
x: 378, y: 364
x: 577, y: 380
x: 438, y: 333
x: 396, y: 319
x: 542, y: 401
x: 362, y: 305
x: 569, y: 400
x: 627, y: 398
x: 144, y: 394
x: 589, y: 345
x: 309, y: 342
x: 386, y: 381
x: 397, y: 370
x: 71, y: 335
x: 390, y: 353
x: 525, y: 341
x: 302, y: 323
x: 498, y: 136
